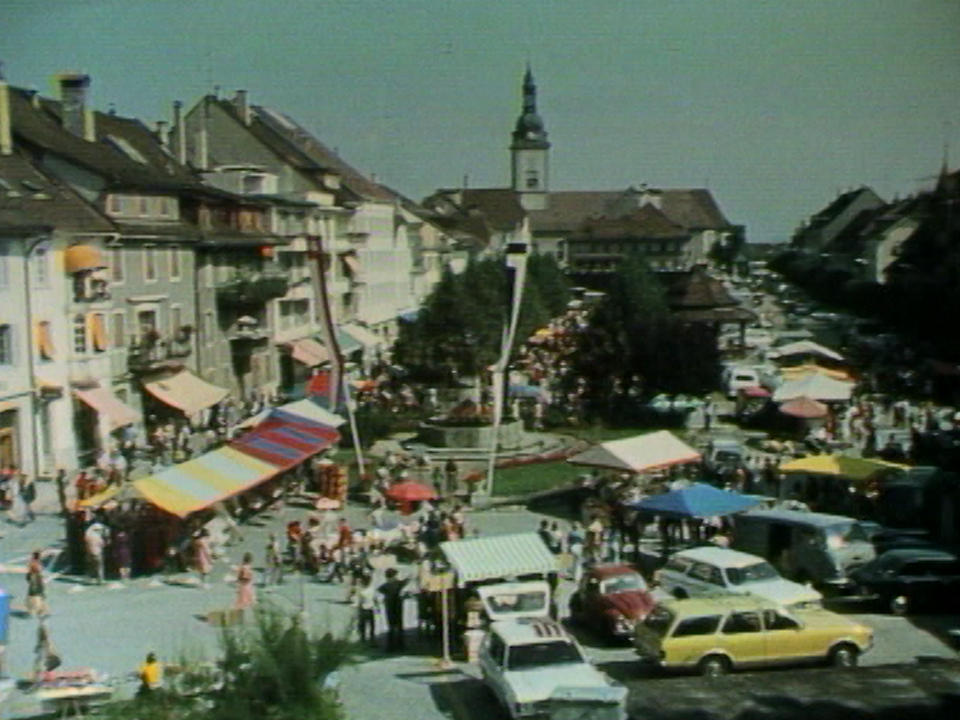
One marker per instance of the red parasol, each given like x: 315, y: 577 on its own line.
x: 407, y: 493
x: 410, y: 492
x: 755, y: 392
x: 804, y: 407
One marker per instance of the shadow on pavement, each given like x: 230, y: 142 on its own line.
x: 465, y: 698
x: 945, y: 628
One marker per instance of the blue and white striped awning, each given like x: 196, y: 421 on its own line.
x: 499, y: 556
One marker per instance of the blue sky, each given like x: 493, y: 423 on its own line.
x: 775, y: 105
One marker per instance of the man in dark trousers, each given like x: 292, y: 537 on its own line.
x: 392, y: 596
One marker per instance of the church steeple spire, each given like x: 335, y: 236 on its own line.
x: 530, y: 131
x: 529, y: 151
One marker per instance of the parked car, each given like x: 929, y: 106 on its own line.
x: 707, y: 571
x: 911, y: 579
x: 717, y: 635
x: 805, y: 546
x: 738, y: 378
x: 611, y: 599
x: 534, y: 666
x: 723, y: 456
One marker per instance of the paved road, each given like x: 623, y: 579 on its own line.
x: 112, y: 629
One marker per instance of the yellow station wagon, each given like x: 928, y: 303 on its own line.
x: 720, y: 634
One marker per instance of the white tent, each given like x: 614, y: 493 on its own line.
x: 638, y: 454
x: 805, y: 347
x: 816, y: 387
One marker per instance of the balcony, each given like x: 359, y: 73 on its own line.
x: 253, y: 288
x: 153, y: 353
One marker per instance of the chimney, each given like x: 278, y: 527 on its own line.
x: 242, y: 103
x: 73, y: 101
x: 181, y: 131
x: 6, y: 126
x: 203, y: 149
x: 163, y: 134
x: 34, y: 96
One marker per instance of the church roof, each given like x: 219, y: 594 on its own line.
x: 646, y: 222
x: 690, y: 209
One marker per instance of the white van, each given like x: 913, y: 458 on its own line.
x: 739, y: 377
x: 706, y: 571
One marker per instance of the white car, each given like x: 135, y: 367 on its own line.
x: 739, y: 378
x: 534, y: 666
x: 705, y: 571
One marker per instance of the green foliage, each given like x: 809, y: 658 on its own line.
x: 373, y: 423
x: 634, y: 348
x: 275, y: 670
x: 460, y: 329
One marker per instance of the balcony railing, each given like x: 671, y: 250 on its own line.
x: 254, y: 288
x: 152, y: 353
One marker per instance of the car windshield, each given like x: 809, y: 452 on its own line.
x: 623, y: 583
x: 658, y: 621
x: 752, y: 573
x: 844, y: 533
x: 518, y: 602
x: 538, y: 655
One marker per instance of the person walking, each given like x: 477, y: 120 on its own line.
x: 151, y: 676
x: 273, y: 562
x: 246, y: 597
x: 122, y: 553
x: 365, y: 601
x: 202, y: 556
x: 45, y: 657
x: 61, y: 481
x: 392, y: 594
x: 575, y: 542
x: 36, y: 591
x: 95, y: 539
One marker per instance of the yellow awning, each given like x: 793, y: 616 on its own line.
x: 838, y: 465
x: 186, y: 392
x: 82, y: 257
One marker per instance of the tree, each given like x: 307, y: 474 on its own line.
x: 544, y: 273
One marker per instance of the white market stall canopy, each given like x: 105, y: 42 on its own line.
x: 805, y: 347
x: 499, y: 556
x: 638, y: 454
x: 816, y: 387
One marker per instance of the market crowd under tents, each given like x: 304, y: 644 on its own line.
x: 254, y: 464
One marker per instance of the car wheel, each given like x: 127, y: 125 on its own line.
x: 680, y: 593
x: 844, y: 656
x: 714, y: 666
x: 899, y: 605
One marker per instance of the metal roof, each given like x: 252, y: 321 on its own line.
x: 499, y: 556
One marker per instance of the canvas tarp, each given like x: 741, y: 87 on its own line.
x: 696, y: 501
x: 838, y: 465
x: 499, y: 556
x: 639, y: 454
x: 816, y: 387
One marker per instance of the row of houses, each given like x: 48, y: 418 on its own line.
x: 871, y: 239
x: 150, y: 273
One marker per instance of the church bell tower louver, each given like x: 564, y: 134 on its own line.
x: 529, y: 151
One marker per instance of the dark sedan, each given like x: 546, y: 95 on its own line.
x: 911, y: 579
x: 611, y: 599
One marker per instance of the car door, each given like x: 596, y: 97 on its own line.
x: 786, y: 639
x: 743, y: 638
x: 920, y: 581
x: 705, y: 579
x: 492, y: 658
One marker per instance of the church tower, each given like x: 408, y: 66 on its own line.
x: 529, y: 151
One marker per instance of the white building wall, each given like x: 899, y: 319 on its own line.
x: 386, y: 265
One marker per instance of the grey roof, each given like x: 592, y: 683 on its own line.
x: 499, y: 556
x: 40, y: 128
x: 42, y: 201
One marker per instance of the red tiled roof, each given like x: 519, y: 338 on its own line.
x: 647, y: 222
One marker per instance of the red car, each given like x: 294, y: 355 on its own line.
x: 611, y: 599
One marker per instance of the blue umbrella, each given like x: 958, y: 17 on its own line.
x: 526, y: 391
x: 696, y: 501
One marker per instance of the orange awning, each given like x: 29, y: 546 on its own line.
x: 98, y: 331
x: 44, y: 340
x: 309, y: 352
x: 352, y: 263
x: 82, y: 257
x: 109, y: 405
